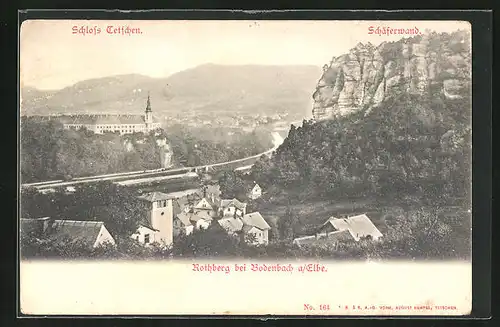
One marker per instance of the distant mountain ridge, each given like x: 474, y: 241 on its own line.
x: 209, y: 87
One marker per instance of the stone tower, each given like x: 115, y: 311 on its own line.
x: 148, y: 117
x: 160, y: 216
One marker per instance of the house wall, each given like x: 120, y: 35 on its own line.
x: 104, y: 237
x: 255, y: 193
x: 261, y: 236
x: 141, y: 232
x: 229, y: 211
x: 202, y: 223
x: 266, y: 236
x: 205, y: 206
x: 121, y: 128
x: 179, y: 226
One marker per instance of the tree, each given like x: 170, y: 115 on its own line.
x: 232, y: 185
x: 287, y: 224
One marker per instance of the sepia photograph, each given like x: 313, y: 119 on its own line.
x: 210, y: 161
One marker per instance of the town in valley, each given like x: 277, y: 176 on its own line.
x: 367, y: 157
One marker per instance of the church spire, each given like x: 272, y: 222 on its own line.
x: 148, y: 104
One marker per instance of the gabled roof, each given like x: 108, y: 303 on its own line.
x: 176, y: 208
x: 247, y: 228
x: 256, y: 186
x: 154, y: 196
x: 84, y: 231
x: 182, y: 194
x: 184, y: 218
x: 212, y: 204
x: 188, y: 200
x: 255, y: 219
x: 329, y: 238
x: 146, y: 223
x: 359, y: 226
x: 233, y: 202
x: 231, y: 224
x: 197, y: 215
x: 148, y: 226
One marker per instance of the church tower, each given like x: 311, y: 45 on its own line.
x: 160, y: 216
x: 148, y: 117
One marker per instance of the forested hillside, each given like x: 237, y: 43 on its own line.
x: 410, y: 145
x: 49, y: 152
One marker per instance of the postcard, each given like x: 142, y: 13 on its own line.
x: 238, y: 167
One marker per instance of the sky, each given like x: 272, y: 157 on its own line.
x: 53, y: 57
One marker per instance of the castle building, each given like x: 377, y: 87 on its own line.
x: 123, y: 124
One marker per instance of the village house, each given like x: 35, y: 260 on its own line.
x: 255, y: 192
x: 251, y: 226
x: 158, y: 226
x: 193, y: 219
x: 89, y: 233
x: 187, y: 201
x: 232, y: 208
x: 334, y: 229
x: 183, y: 224
x: 255, y: 224
x: 208, y: 206
x: 359, y: 227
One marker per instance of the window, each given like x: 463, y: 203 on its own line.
x: 161, y: 203
x: 146, y: 238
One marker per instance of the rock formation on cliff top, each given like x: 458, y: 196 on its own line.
x: 428, y: 65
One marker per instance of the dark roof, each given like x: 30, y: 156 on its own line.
x: 183, y: 194
x: 154, y: 196
x: 145, y: 223
x: 234, y: 202
x: 202, y: 214
x: 188, y: 200
x: 231, y: 224
x: 176, y: 208
x: 29, y: 225
x: 84, y: 231
x: 247, y: 228
x: 184, y: 218
x: 255, y: 219
x: 188, y: 217
x: 102, y: 119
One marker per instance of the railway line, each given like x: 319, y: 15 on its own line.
x: 136, y: 177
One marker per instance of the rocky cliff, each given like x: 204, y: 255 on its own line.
x: 428, y: 65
